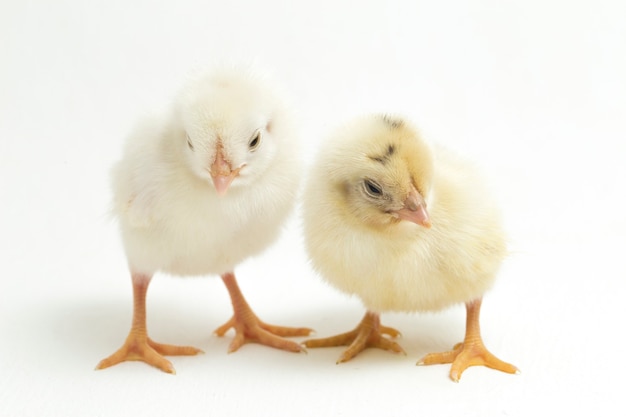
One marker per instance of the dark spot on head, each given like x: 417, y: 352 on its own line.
x: 189, y: 142
x: 381, y: 159
x: 384, y: 157
x: 343, y: 188
x: 393, y: 123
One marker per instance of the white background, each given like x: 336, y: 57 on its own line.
x: 533, y: 91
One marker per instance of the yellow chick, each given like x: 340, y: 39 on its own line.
x: 406, y: 229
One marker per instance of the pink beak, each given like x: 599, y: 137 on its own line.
x: 222, y: 172
x: 414, y: 209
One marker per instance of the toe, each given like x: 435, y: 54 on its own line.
x: 173, y: 350
x: 266, y: 338
x: 286, y: 331
x: 438, y: 358
x: 238, y: 341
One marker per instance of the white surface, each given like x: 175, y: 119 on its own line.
x: 533, y: 91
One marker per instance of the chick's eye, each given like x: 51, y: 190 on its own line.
x: 373, y: 189
x: 255, y: 141
x: 189, y: 143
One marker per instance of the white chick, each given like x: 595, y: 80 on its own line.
x: 404, y: 228
x: 199, y: 191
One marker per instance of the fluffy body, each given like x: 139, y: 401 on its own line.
x: 170, y: 215
x: 395, y: 265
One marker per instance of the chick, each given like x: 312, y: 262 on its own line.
x: 406, y: 229
x: 199, y: 191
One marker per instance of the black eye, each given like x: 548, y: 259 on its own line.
x: 372, y: 188
x: 254, y: 143
x: 189, y: 143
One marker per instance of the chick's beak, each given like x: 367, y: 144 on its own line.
x: 414, y: 209
x: 222, y: 172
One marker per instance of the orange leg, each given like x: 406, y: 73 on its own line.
x: 138, y: 346
x: 471, y: 352
x: 249, y: 328
x: 369, y: 333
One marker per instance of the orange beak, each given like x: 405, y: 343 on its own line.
x: 222, y: 172
x: 414, y: 209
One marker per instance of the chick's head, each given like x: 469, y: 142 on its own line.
x: 381, y: 172
x: 232, y: 128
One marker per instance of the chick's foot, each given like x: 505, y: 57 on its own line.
x: 142, y: 348
x: 369, y: 333
x: 138, y: 346
x: 464, y: 355
x: 471, y: 352
x: 249, y: 328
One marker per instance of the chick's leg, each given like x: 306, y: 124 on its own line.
x: 249, y: 328
x: 369, y: 333
x: 138, y: 346
x: 471, y: 352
